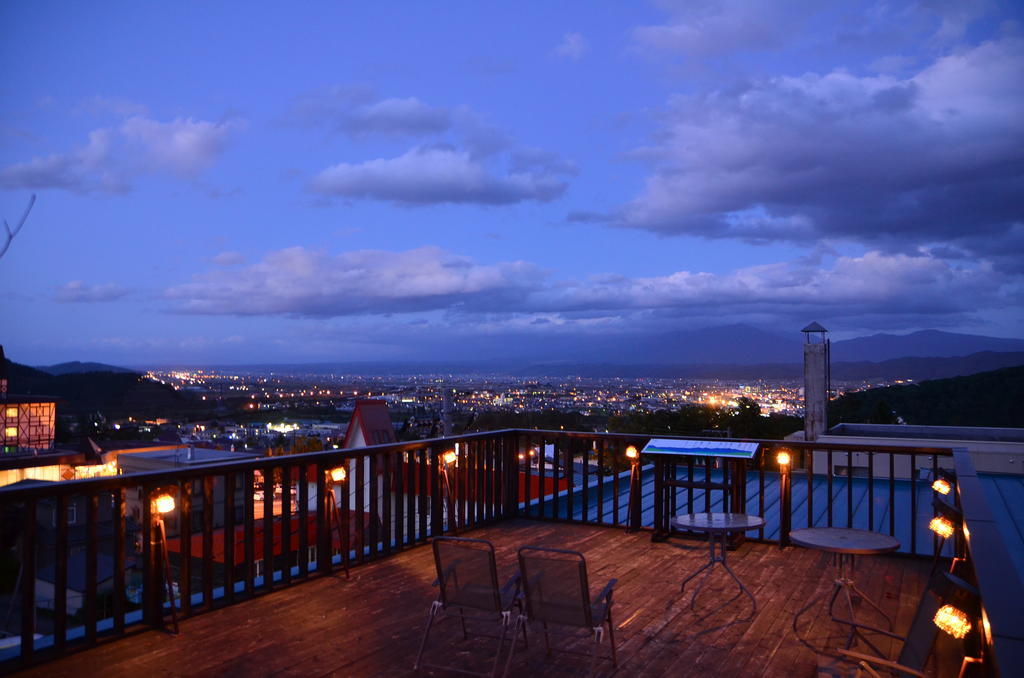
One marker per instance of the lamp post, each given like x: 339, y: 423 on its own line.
x: 164, y: 504
x: 337, y: 477
x: 783, y: 459
x: 633, y: 517
x: 449, y: 459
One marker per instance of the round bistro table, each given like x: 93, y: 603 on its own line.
x: 844, y: 543
x: 718, y: 527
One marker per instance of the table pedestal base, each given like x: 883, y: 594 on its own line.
x: 721, y: 538
x: 845, y: 586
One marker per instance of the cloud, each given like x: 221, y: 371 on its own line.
x: 429, y: 285
x: 711, y: 29
x: 876, y: 159
x: 77, y: 292
x: 112, y: 156
x: 573, y: 46
x: 302, y: 282
x: 428, y: 175
x: 873, y: 283
x: 358, y: 113
x: 705, y: 28
x: 83, y: 170
x: 184, y: 146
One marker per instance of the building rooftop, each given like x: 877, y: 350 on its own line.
x: 966, y: 433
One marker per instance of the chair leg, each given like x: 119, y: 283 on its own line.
x: 520, y: 623
x: 462, y: 618
x: 501, y: 643
x: 611, y: 638
x: 598, y: 632
x: 547, y: 640
x: 426, y: 632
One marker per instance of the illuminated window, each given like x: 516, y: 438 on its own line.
x: 12, y: 412
x: 11, y: 431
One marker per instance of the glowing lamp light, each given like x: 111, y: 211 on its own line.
x: 783, y: 458
x: 522, y: 456
x: 941, y: 486
x: 631, y: 453
x: 941, y: 526
x: 533, y: 452
x: 953, y: 621
x: 449, y: 457
x: 339, y: 474
x: 163, y: 504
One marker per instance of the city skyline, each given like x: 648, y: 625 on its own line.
x: 239, y: 184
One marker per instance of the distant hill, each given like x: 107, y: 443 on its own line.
x: 923, y: 344
x: 985, y: 399
x: 115, y: 394
x: 77, y: 367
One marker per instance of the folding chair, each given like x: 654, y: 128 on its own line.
x: 919, y: 641
x: 555, y: 584
x: 468, y: 581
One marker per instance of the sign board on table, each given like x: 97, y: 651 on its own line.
x: 701, y: 448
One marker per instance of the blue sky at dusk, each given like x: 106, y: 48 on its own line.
x: 255, y: 182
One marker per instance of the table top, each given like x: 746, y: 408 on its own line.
x: 717, y: 522
x: 844, y: 540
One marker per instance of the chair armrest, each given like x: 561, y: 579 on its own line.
x: 878, y: 661
x: 606, y: 592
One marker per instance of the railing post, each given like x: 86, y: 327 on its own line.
x: 436, y: 500
x: 152, y: 585
x: 510, y: 465
x: 324, y: 505
x: 636, y: 493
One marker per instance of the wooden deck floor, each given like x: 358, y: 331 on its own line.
x: 370, y: 625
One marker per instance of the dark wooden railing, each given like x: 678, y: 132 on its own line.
x: 245, y: 528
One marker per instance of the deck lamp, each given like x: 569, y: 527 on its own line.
x: 783, y: 458
x: 953, y: 621
x: 337, y: 476
x: 635, y: 490
x: 942, y: 486
x: 448, y: 459
x: 941, y: 526
x: 163, y: 504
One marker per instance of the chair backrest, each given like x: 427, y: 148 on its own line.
x: 466, y: 573
x: 555, y: 583
x: 943, y: 588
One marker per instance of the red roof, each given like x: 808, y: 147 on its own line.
x: 371, y: 419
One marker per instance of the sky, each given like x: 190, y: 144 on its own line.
x: 232, y: 182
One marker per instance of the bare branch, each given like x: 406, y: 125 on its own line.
x: 17, y: 229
